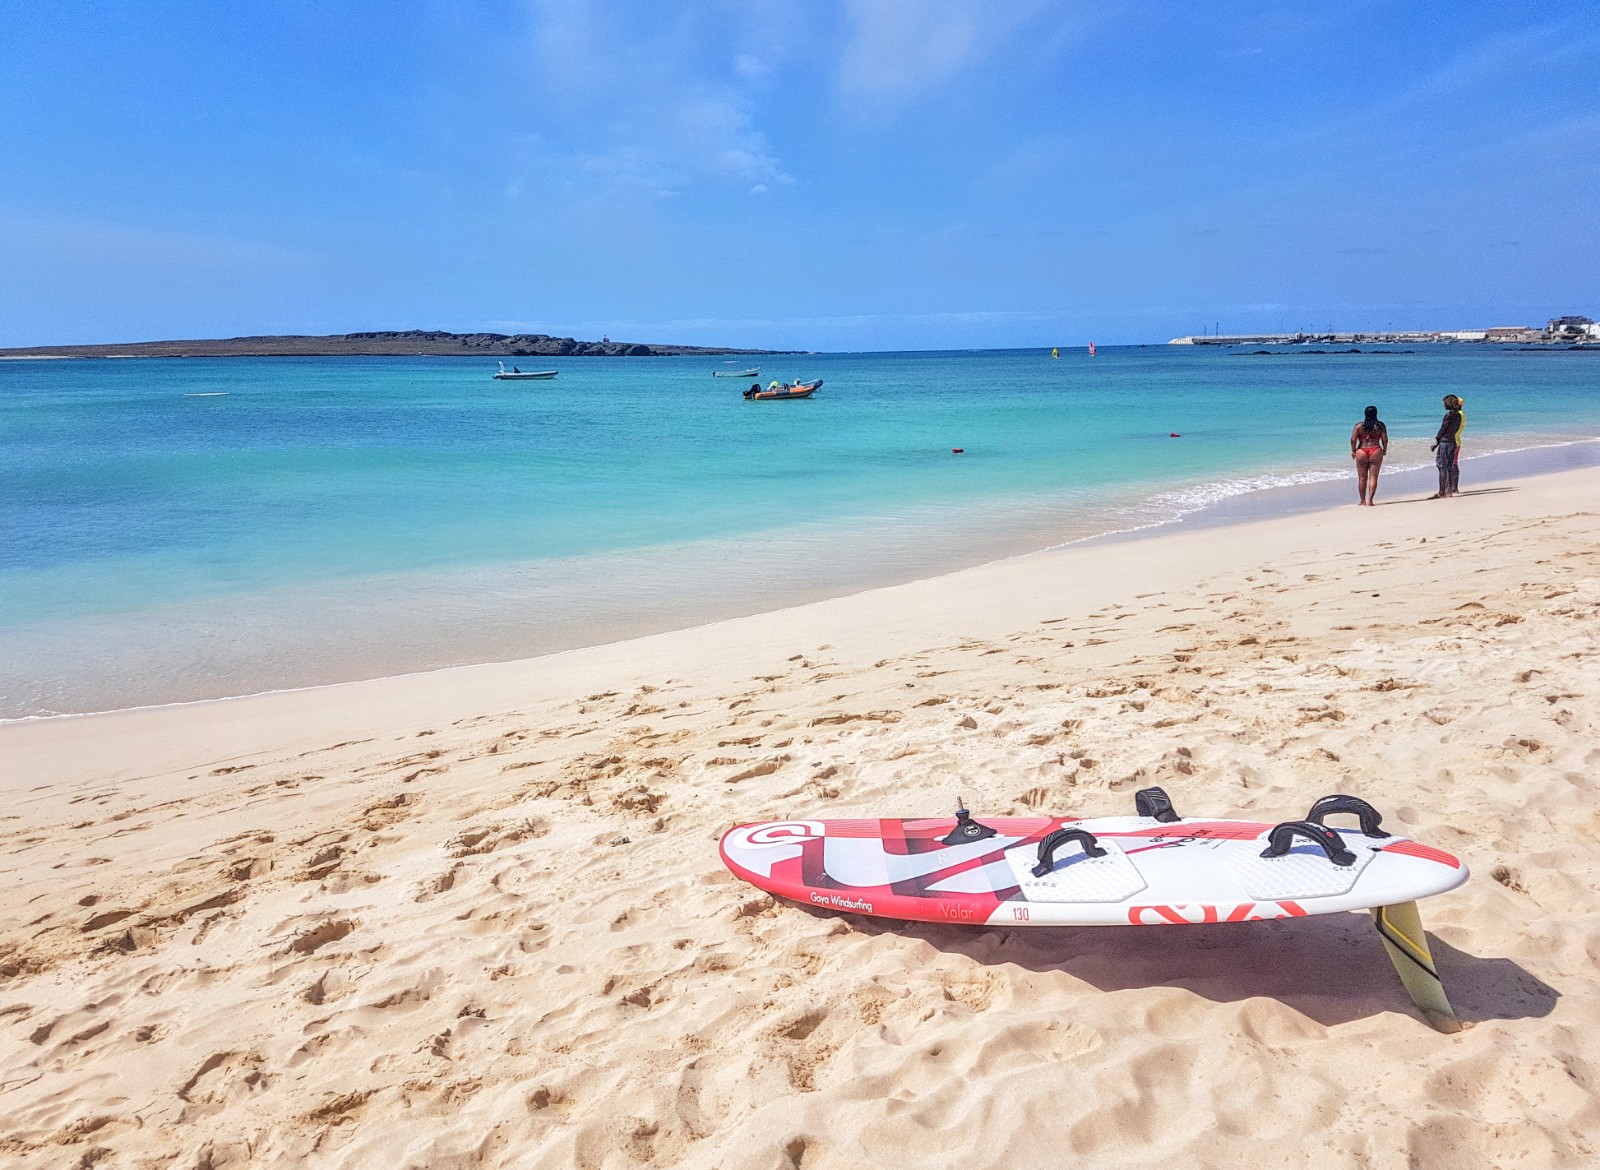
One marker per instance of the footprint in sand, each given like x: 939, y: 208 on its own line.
x: 489, y: 838
x: 388, y: 811
x: 330, y: 985
x: 764, y: 768
x: 222, y: 1077
x: 310, y: 941
x: 439, y: 884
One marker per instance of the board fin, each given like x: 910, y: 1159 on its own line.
x: 1400, y: 927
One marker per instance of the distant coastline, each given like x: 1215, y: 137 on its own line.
x: 1560, y: 332
x: 392, y: 343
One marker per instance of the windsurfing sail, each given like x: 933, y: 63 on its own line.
x: 1091, y: 349
x: 1056, y: 353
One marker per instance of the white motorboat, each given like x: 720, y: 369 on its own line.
x: 514, y: 374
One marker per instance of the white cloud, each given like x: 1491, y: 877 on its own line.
x: 671, y: 149
x: 652, y: 116
x: 717, y: 136
x: 630, y: 168
x: 899, y: 49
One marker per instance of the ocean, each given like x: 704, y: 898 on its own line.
x: 182, y: 529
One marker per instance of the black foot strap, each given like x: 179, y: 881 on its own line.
x: 1371, y: 818
x: 1153, y: 802
x: 1282, y: 837
x: 1054, y: 841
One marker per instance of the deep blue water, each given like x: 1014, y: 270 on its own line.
x: 316, y: 519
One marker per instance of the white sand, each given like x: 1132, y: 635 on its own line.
x: 477, y: 917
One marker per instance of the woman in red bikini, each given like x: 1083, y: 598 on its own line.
x: 1369, y: 443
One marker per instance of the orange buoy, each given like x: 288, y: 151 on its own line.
x: 1174, y: 435
x: 957, y: 450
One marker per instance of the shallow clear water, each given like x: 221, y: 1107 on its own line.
x: 318, y: 519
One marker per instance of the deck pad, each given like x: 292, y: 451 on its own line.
x: 1076, y: 877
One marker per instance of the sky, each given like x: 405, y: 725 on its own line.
x: 816, y: 174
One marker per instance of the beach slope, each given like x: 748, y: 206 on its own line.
x: 477, y: 918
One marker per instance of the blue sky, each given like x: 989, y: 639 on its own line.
x: 824, y: 174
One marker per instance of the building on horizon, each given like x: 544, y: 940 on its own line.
x: 1572, y: 326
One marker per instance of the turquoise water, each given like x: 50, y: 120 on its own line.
x: 319, y: 519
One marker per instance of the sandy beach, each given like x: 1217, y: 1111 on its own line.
x: 477, y: 917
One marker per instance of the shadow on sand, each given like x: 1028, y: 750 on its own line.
x: 1492, y: 491
x: 1331, y: 968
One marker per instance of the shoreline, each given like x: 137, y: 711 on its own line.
x: 374, y: 922
x: 1258, y: 504
x: 1332, y: 492
x: 1154, y: 544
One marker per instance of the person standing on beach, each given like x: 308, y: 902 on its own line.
x: 1369, y: 443
x: 1447, y: 447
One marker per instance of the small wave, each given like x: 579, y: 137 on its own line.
x: 1173, y: 505
x: 1192, y: 499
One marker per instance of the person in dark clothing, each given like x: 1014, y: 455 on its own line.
x: 1447, y: 447
x: 1369, y: 443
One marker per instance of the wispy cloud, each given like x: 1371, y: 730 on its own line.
x: 897, y: 50
x: 1427, y: 103
x: 870, y: 321
x: 691, y: 141
x: 152, y: 250
x: 717, y: 134
x: 653, y: 117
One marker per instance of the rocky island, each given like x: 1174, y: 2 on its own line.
x: 387, y: 343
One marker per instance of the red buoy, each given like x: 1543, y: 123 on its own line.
x: 957, y: 450
x: 1174, y: 435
